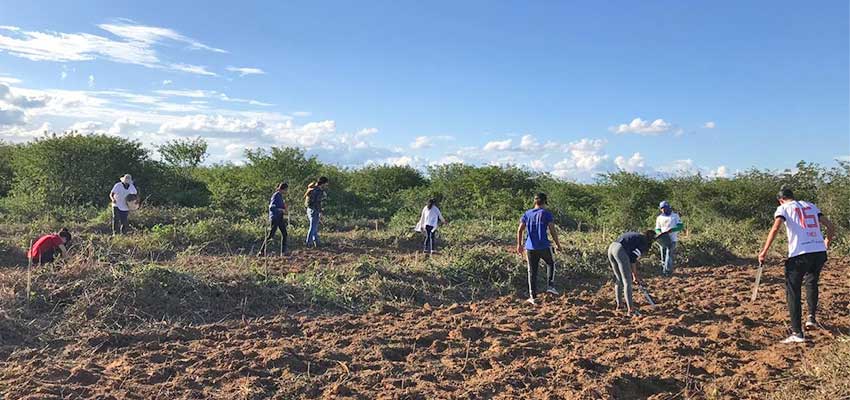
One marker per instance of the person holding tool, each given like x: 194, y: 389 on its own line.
x: 806, y: 256
x: 667, y: 221
x: 623, y: 255
x: 277, y: 210
x: 538, y: 222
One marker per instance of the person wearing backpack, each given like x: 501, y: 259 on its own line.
x: 277, y: 210
x: 313, y: 199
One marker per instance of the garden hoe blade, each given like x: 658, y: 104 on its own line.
x: 758, y: 280
x: 646, y: 295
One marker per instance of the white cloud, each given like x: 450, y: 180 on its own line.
x: 212, y: 125
x: 709, y: 125
x: 167, y: 82
x: 12, y: 116
x: 422, y: 142
x: 63, y: 75
x: 91, y: 81
x: 498, y: 145
x: 537, y: 165
x: 528, y: 143
x: 366, y: 132
x: 679, y: 168
x: 246, y: 70
x: 86, y: 126
x: 643, y: 127
x: 449, y: 159
x: 192, y: 69
x: 123, y: 126
x: 634, y: 163
x: 301, y: 114
x: 720, y: 172
x: 151, y: 35
x: 137, y: 46
x: 209, y: 94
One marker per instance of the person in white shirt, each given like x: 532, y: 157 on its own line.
x: 667, y: 221
x: 806, y: 256
x: 120, y: 208
x: 429, y: 219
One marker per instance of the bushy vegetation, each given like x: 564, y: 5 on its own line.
x: 65, y: 179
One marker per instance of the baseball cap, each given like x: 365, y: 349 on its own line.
x: 664, y: 204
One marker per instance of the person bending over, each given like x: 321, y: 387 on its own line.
x: 44, y: 249
x: 623, y: 254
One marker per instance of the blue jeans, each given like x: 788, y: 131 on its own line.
x: 313, y: 233
x: 668, y: 250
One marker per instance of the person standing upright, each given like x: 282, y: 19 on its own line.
x: 120, y: 207
x: 667, y: 221
x: 313, y: 198
x: 277, y: 211
x: 806, y: 256
x: 429, y: 219
x: 538, y: 222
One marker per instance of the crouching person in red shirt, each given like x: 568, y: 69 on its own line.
x: 44, y: 249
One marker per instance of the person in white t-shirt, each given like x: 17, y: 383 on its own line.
x: 667, y: 221
x: 120, y: 207
x: 806, y: 256
x: 429, y: 219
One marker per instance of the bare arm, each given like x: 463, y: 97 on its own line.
x: 519, y: 233
x: 777, y: 223
x: 554, y: 232
x: 63, y: 250
x: 635, y: 277
x: 830, y: 229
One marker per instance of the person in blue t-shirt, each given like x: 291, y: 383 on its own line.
x: 277, y: 210
x: 538, y: 222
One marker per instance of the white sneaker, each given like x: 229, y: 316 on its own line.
x: 811, y: 322
x: 551, y: 290
x: 531, y: 301
x: 794, y: 338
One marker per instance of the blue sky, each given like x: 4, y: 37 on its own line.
x: 575, y: 89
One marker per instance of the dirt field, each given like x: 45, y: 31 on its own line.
x: 705, y: 339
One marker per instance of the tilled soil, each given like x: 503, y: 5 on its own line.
x: 704, y: 339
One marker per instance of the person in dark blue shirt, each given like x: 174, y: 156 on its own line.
x: 277, y: 211
x: 538, y: 222
x: 623, y: 255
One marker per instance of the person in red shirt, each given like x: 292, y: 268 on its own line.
x: 44, y: 249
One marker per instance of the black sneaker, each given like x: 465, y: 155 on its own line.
x: 811, y: 322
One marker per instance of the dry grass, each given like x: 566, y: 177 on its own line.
x: 823, y: 375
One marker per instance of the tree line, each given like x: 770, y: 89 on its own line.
x: 72, y: 170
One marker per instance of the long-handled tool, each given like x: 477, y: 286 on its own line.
x: 646, y: 294
x: 758, y: 280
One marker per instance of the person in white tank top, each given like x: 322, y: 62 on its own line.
x: 806, y: 256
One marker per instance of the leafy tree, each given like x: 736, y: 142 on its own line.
x: 378, y: 188
x: 6, y: 171
x: 184, y: 153
x: 74, y: 169
x: 630, y: 200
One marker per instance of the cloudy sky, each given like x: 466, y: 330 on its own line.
x: 661, y: 87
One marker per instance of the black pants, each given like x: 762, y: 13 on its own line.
x: 274, y: 225
x: 46, y: 257
x: 120, y: 221
x: 429, y: 238
x: 534, y: 257
x: 802, y: 270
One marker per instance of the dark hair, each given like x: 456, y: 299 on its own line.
x: 63, y: 233
x: 431, y: 203
x: 322, y: 180
x: 785, y: 193
x: 649, y: 234
x: 540, y: 198
x: 283, y: 186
